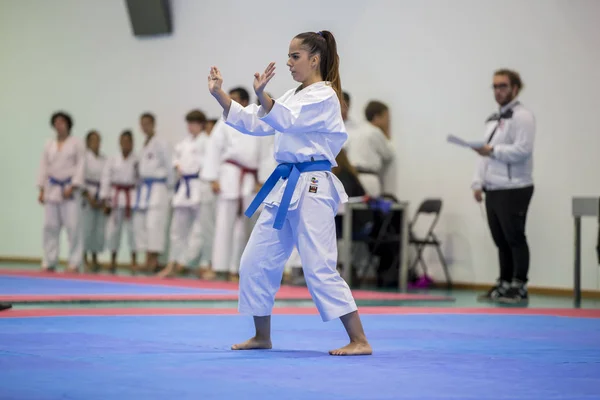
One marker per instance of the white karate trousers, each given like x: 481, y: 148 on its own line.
x: 94, y: 224
x: 150, y: 228
x: 231, y: 234
x: 311, y: 227
x: 191, y: 235
x: 65, y: 214
x: 115, y: 224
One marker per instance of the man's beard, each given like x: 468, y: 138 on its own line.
x: 506, y: 100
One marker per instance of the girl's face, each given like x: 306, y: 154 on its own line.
x: 61, y: 126
x: 94, y: 143
x: 126, y: 144
x: 301, y: 64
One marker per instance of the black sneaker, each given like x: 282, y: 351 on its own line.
x: 515, y: 295
x: 495, y: 292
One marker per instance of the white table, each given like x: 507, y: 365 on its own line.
x: 581, y: 207
x: 346, y: 253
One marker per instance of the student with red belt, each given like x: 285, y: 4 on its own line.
x: 117, y: 190
x: 234, y: 163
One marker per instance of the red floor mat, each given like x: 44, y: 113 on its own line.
x: 285, y: 293
x: 81, y: 312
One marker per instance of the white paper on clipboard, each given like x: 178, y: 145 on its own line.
x: 465, y: 143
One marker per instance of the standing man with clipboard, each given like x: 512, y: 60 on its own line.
x: 504, y: 175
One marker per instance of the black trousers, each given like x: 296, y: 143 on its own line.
x: 507, y: 215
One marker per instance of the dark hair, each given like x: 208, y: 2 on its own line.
x: 323, y: 43
x: 212, y: 121
x: 346, y: 97
x: 243, y: 93
x: 373, y: 109
x: 147, y: 115
x: 127, y: 133
x: 63, y: 115
x: 513, y: 76
x: 196, y: 116
x: 90, y: 134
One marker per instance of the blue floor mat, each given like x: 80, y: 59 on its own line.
x: 14, y: 285
x: 187, y: 357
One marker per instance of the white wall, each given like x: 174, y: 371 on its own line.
x: 431, y: 61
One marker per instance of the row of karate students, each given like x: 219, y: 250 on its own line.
x: 208, y: 181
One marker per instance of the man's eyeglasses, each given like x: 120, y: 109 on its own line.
x: 500, y: 86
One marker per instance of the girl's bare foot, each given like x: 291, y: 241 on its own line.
x: 168, y: 271
x: 134, y: 269
x: 262, y: 338
x: 253, y: 344
x: 72, y: 270
x: 359, y: 345
x: 353, y: 349
x: 209, y: 275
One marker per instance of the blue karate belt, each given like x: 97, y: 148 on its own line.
x: 60, y: 182
x: 291, y: 172
x: 95, y: 184
x: 147, y: 182
x: 186, y: 179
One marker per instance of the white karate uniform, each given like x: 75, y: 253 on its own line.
x: 151, y: 214
x: 370, y: 152
x: 226, y: 148
x: 94, y: 220
x: 192, y: 224
x: 308, y: 127
x: 60, y: 169
x: 118, y: 189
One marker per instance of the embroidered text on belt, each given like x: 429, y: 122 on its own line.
x: 148, y: 182
x: 186, y: 180
x: 244, y: 172
x: 123, y: 188
x: 291, y: 172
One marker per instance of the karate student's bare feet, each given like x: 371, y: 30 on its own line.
x: 209, y: 275
x: 262, y: 339
x: 353, y: 349
x: 358, y: 346
x: 134, y: 269
x: 253, y: 344
x: 168, y: 271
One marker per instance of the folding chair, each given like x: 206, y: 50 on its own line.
x: 428, y: 206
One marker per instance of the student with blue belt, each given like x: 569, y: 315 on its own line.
x: 156, y: 175
x: 192, y: 224
x: 60, y: 181
x: 302, y: 195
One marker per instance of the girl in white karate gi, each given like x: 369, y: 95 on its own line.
x: 94, y: 220
x: 118, y: 190
x: 304, y: 194
x: 60, y: 181
x: 151, y: 214
x: 192, y: 224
